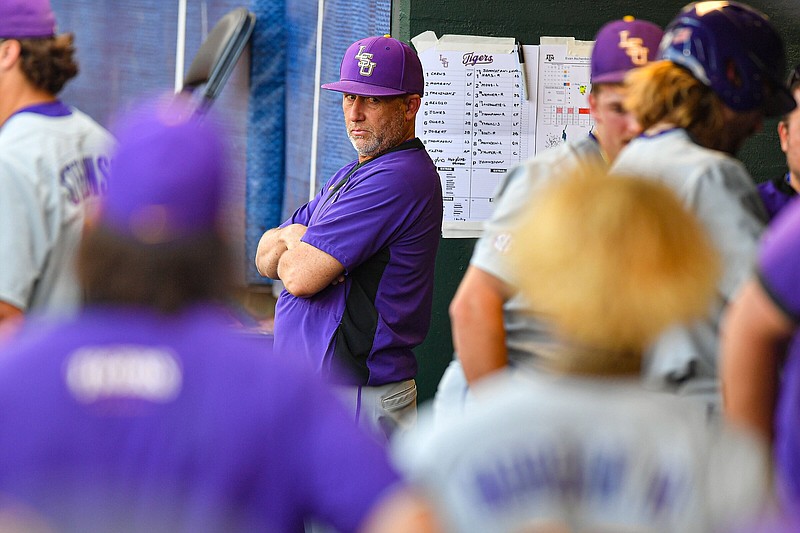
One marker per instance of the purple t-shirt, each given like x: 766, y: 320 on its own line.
x: 779, y: 275
x: 381, y: 220
x: 124, y: 420
x: 776, y: 194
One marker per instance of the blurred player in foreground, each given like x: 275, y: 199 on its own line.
x: 758, y: 326
x: 611, y: 261
x: 759, y: 391
x: 146, y: 412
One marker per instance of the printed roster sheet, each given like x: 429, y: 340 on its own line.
x: 479, y: 116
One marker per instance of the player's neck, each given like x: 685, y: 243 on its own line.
x: 20, y: 97
x: 661, y: 127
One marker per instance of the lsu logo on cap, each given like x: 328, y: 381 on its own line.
x: 634, y: 48
x: 365, y: 63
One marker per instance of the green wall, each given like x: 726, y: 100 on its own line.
x: 528, y: 21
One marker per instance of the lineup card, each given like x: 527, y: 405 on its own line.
x: 564, y: 74
x: 477, y: 121
x: 480, y: 116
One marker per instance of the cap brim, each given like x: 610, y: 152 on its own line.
x: 360, y: 88
x: 617, y: 76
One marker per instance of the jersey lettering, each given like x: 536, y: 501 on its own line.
x: 140, y: 372
x: 84, y: 178
x: 571, y: 473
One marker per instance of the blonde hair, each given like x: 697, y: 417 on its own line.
x: 663, y: 92
x: 611, y: 262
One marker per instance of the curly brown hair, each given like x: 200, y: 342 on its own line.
x: 663, y: 92
x: 49, y: 63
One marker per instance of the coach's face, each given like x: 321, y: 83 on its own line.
x: 614, y: 127
x: 376, y: 124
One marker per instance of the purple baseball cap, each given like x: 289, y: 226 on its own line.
x: 622, y: 45
x: 167, y: 176
x: 25, y: 19
x: 379, y: 66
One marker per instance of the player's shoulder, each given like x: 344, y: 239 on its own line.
x: 675, y: 152
x: 666, y: 140
x: 80, y: 124
x: 37, y: 348
x: 19, y: 130
x: 561, y: 159
x: 571, y: 153
x: 559, y: 400
x: 494, y: 412
x: 89, y: 123
x: 705, y: 166
x: 30, y: 134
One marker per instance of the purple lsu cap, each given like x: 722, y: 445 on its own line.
x: 379, y: 66
x: 26, y: 19
x: 622, y: 45
x: 167, y: 176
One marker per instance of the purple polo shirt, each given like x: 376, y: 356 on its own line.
x: 381, y: 220
x: 776, y: 194
x: 779, y: 275
x: 124, y: 420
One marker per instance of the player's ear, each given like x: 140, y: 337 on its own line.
x: 783, y: 135
x: 412, y: 103
x: 592, y: 103
x: 10, y: 50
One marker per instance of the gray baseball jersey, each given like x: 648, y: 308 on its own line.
x: 718, y: 189
x: 53, y: 160
x: 593, y: 455
x: 526, y: 336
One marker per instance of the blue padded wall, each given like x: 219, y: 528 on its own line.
x: 126, y: 49
x: 344, y: 22
x: 266, y: 126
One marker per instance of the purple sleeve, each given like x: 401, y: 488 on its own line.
x: 303, y: 213
x: 778, y: 259
x: 364, y: 217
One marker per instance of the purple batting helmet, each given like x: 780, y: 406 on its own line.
x: 733, y: 49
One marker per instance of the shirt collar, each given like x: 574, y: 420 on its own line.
x: 48, y: 109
